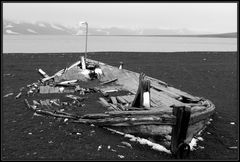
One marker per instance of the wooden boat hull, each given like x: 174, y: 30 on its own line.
x: 159, y: 119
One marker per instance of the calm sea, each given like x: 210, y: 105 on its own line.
x: 52, y: 44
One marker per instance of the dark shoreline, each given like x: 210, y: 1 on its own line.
x: 212, y: 75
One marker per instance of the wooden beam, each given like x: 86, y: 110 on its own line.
x: 198, y: 116
x: 179, y: 130
x: 121, y: 100
x: 128, y: 121
x: 109, y: 81
x: 114, y: 100
x: 142, y: 112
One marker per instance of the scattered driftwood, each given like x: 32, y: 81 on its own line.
x: 43, y: 73
x: 110, y: 81
x: 18, y: 95
x: 67, y: 83
x: 142, y: 141
x: 9, y: 94
x: 55, y: 114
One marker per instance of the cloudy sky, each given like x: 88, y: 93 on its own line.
x: 210, y: 17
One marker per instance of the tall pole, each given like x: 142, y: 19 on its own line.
x: 86, y: 40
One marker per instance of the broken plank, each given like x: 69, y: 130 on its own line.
x: 185, y: 94
x: 114, y: 100
x: 49, y: 113
x: 104, y: 102
x: 43, y: 73
x: 169, y: 93
x: 164, y: 98
x: 121, y: 100
x: 115, y: 107
x: 142, y: 112
x: 130, y: 120
x: 198, y: 116
x: 128, y: 98
x: 109, y: 81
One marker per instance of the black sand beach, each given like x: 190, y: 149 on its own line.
x: 212, y: 75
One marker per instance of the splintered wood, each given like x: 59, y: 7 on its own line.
x: 161, y: 94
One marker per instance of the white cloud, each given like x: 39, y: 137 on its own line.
x: 31, y: 31
x: 8, y: 26
x: 11, y: 32
x: 41, y: 24
x: 56, y: 27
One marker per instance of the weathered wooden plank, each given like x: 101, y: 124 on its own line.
x: 198, y: 116
x: 114, y: 100
x: 161, y: 105
x: 185, y: 94
x: 129, y: 108
x: 157, y: 97
x: 157, y: 81
x: 169, y: 101
x: 193, y: 129
x: 123, y: 108
x: 109, y: 81
x: 142, y: 112
x: 109, y: 88
x: 44, y: 112
x: 164, y: 89
x: 104, y: 102
x: 198, y: 108
x: 154, y: 130
x: 45, y: 102
x: 121, y: 100
x: 153, y: 104
x: 27, y: 103
x: 73, y: 65
x: 115, y: 107
x: 95, y: 116
x: 44, y: 74
x: 128, y: 121
x: 142, y: 123
x: 128, y: 98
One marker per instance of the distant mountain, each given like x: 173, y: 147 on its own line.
x: 26, y: 28
x: 44, y: 28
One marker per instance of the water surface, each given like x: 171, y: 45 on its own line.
x: 60, y: 43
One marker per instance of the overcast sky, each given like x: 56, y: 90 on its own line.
x: 211, y: 17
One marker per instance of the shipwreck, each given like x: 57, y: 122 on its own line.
x: 131, y: 104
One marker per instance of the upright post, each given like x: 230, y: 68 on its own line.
x: 83, y: 63
x: 86, y: 40
x: 178, y: 147
x: 142, y: 97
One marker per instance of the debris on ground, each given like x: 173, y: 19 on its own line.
x: 121, y: 156
x: 233, y: 147
x: 18, y: 95
x: 99, y: 147
x: 9, y: 94
x: 126, y: 144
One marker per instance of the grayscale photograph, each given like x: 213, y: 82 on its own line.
x: 112, y: 81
